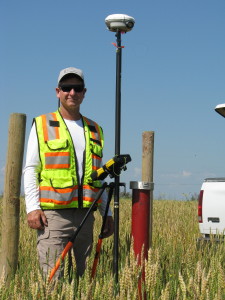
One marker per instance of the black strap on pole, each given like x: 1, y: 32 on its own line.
x: 101, y: 235
x: 117, y: 152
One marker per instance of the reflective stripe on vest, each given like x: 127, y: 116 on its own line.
x: 96, y: 162
x: 50, y: 132
x: 96, y: 139
x: 57, y: 160
x: 94, y: 129
x: 60, y: 196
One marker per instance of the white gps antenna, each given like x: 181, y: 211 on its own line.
x: 119, y: 22
x: 220, y: 109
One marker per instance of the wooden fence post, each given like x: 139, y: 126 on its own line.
x: 147, y: 169
x: 11, y: 196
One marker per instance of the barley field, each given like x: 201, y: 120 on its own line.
x: 177, y: 267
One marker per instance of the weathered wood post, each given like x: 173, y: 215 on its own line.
x: 147, y: 170
x: 11, y: 200
x: 142, y: 193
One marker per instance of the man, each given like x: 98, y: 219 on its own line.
x: 64, y: 148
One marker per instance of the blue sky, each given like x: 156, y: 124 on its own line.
x: 173, y: 75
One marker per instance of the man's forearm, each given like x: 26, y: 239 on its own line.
x: 31, y: 189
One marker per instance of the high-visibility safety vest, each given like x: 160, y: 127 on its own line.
x: 58, y: 179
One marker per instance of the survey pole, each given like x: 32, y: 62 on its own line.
x: 118, y: 23
x: 117, y: 152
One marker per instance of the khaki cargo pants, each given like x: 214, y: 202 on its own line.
x: 52, y: 240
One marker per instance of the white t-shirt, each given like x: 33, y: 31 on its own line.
x: 33, y: 165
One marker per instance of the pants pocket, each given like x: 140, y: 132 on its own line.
x: 43, y: 234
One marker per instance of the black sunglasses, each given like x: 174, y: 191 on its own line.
x: 78, y: 88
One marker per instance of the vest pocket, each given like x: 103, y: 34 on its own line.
x: 96, y: 149
x: 57, y: 144
x: 56, y: 158
x: 62, y: 183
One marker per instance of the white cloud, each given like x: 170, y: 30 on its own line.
x: 186, y: 173
x: 171, y: 175
x: 2, y: 170
x: 137, y: 172
x: 177, y: 175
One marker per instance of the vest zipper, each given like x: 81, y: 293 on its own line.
x: 80, y: 190
x: 82, y: 178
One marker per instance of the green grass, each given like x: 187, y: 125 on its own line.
x: 177, y: 267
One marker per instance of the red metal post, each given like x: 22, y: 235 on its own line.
x: 141, y: 203
x: 140, y: 215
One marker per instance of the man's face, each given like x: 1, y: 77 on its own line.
x: 71, y: 94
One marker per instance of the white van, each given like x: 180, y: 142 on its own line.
x: 211, y: 208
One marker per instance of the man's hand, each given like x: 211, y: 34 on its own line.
x: 36, y: 219
x: 109, y: 227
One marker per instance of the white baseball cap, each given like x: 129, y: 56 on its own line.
x: 71, y: 70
